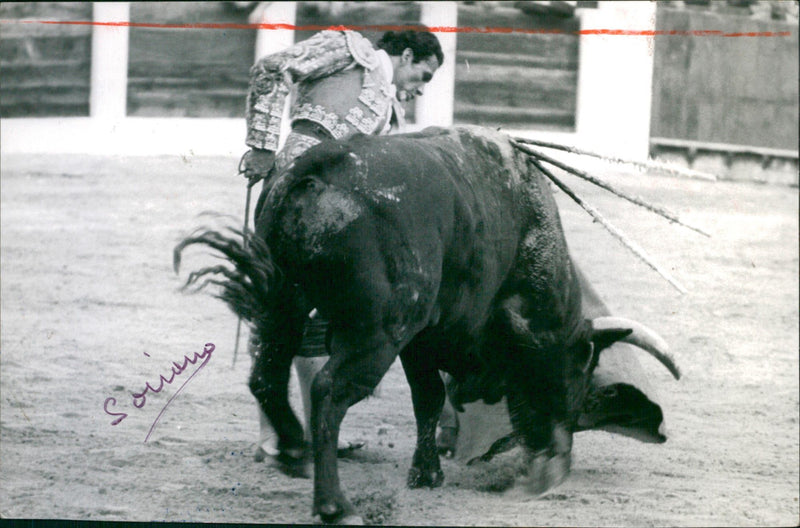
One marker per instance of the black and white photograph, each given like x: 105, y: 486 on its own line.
x: 452, y: 263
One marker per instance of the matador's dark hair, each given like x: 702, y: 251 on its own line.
x: 422, y: 43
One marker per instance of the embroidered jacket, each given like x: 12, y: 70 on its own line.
x: 339, y: 83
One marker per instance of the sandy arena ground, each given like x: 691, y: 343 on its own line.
x: 90, y: 311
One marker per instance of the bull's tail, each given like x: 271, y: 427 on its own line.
x: 250, y: 289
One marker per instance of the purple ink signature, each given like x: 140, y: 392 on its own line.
x: 140, y: 399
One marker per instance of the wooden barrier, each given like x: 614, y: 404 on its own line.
x: 188, y: 73
x: 516, y: 80
x: 45, y: 68
x: 730, y: 162
x: 736, y: 91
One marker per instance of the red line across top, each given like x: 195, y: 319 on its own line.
x: 433, y: 29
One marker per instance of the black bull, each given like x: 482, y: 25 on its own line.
x: 444, y: 247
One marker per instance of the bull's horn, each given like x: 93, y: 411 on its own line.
x: 642, y: 337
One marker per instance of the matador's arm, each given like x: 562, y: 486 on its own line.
x: 272, y: 77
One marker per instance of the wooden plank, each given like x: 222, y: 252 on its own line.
x: 169, y: 68
x: 19, y: 55
x: 515, y: 79
x: 723, y: 147
x: 26, y: 29
x: 784, y: 77
x: 561, y: 48
x: 671, y: 60
x: 725, y: 90
x: 504, y: 15
x: 180, y: 71
x: 186, y: 104
x: 39, y: 101
x: 479, y: 58
x: 514, y: 74
x: 44, y: 11
x: 192, y: 45
x: 355, y: 13
x: 21, y: 49
x: 182, y: 83
x: 35, y: 109
x: 187, y: 12
x: 44, y: 69
x: 59, y: 101
x: 166, y: 94
x: 47, y: 84
x: 558, y: 47
x: 505, y: 116
x: 517, y: 95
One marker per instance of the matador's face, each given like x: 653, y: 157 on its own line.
x: 410, y: 76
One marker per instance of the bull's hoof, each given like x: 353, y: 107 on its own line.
x: 293, y: 464
x: 418, y: 478
x: 334, y: 513
x: 546, y: 472
x: 346, y: 449
x: 263, y: 452
x: 352, y: 520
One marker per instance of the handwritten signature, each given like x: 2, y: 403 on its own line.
x: 139, y: 399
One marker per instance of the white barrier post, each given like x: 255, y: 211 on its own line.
x: 269, y: 41
x: 109, y: 70
x: 435, y: 107
x: 615, y: 80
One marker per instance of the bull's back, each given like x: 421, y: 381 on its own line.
x: 507, y: 239
x: 418, y: 229
x: 449, y: 199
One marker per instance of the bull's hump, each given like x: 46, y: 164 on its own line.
x: 486, y: 133
x: 494, y: 144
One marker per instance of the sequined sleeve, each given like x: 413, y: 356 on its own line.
x: 272, y: 77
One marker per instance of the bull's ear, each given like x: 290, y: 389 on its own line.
x: 608, y: 336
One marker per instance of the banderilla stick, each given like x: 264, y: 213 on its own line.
x: 633, y: 199
x: 639, y: 252
x: 649, y: 164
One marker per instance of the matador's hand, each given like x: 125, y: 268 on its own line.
x: 257, y: 163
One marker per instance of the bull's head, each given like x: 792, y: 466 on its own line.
x: 561, y: 378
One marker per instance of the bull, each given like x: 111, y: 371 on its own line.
x: 444, y: 247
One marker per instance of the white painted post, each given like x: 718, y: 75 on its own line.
x: 435, y: 107
x: 615, y: 80
x: 109, y: 70
x: 270, y: 41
